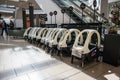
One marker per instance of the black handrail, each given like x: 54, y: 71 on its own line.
x: 90, y: 9
x: 59, y: 3
x: 86, y: 12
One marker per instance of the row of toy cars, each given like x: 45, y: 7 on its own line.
x: 73, y: 42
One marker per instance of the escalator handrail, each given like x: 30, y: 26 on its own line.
x: 79, y: 9
x: 59, y: 4
x: 76, y: 11
x: 64, y: 4
x: 90, y: 16
x: 90, y: 9
x: 79, y: 15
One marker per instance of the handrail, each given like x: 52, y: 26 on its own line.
x: 87, y: 13
x: 67, y: 4
x: 59, y: 4
x: 77, y: 9
x: 79, y: 15
x: 89, y: 9
x: 64, y: 4
x: 93, y: 11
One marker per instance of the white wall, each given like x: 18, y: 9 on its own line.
x: 48, y: 6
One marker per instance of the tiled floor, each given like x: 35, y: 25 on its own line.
x: 20, y: 60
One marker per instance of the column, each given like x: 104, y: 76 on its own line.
x: 24, y: 18
x: 18, y: 18
x: 31, y: 15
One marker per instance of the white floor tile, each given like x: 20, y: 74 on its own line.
x: 25, y: 77
x: 81, y: 76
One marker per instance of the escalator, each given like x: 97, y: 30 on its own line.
x: 76, y: 15
x: 90, y: 11
x: 65, y: 4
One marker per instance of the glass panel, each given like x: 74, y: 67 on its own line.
x: 89, y: 11
x: 86, y: 18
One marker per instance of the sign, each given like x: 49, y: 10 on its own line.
x: 63, y: 11
x: 55, y: 12
x: 82, y: 6
x: 51, y: 13
x: 94, y: 3
x: 43, y: 16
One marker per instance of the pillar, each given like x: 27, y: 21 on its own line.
x: 24, y: 18
x: 31, y: 15
x: 18, y: 18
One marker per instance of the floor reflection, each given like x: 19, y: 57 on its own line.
x: 112, y: 76
x: 20, y: 60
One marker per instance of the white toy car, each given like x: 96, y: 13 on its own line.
x: 30, y: 33
x: 41, y: 34
x: 67, y: 40
x: 44, y: 39
x: 25, y: 35
x: 83, y: 46
x: 56, y: 38
x: 50, y: 37
x: 33, y: 38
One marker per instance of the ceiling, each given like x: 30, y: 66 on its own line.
x: 25, y: 3
x: 19, y: 3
